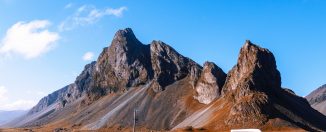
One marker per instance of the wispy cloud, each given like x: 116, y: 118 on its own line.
x: 68, y: 5
x: 116, y: 12
x: 88, y: 56
x: 29, y: 39
x: 89, y: 14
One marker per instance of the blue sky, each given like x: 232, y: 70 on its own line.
x: 45, y: 44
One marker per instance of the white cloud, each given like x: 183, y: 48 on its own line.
x: 88, y: 56
x: 18, y: 105
x: 28, y: 39
x: 89, y: 14
x: 68, y: 5
x: 116, y: 12
x: 3, y: 94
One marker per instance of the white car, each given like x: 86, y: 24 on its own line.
x: 246, y: 130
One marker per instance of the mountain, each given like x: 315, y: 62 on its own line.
x: 6, y: 116
x: 252, y: 97
x: 317, y: 99
x: 169, y: 92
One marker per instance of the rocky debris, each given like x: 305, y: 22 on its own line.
x: 210, y: 83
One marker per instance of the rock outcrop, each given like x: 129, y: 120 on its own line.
x: 250, y: 83
x: 169, y: 66
x: 124, y: 64
x: 255, y: 71
x: 254, y: 88
x: 210, y: 83
x: 317, y: 99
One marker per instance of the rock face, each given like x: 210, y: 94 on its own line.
x: 254, y: 87
x: 317, y: 99
x: 124, y: 64
x: 210, y: 83
x: 169, y: 66
x: 250, y: 82
x: 51, y: 99
x: 170, y: 91
x: 83, y: 81
x: 256, y: 70
x: 128, y: 63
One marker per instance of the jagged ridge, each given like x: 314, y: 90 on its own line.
x: 162, y: 84
x: 129, y: 63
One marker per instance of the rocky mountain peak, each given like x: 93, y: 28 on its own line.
x: 125, y: 63
x: 124, y: 35
x: 210, y: 83
x: 256, y: 67
x: 253, y: 87
x: 250, y: 83
x: 124, y: 43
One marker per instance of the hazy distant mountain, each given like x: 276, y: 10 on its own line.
x: 6, y: 116
x: 317, y: 99
x: 172, y: 92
